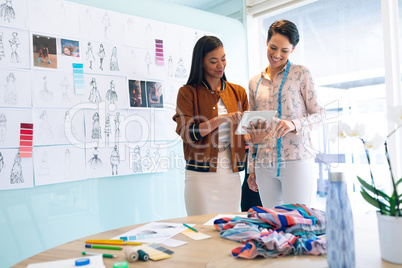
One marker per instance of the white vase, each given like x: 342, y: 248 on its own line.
x: 390, y: 232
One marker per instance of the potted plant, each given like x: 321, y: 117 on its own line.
x: 389, y: 205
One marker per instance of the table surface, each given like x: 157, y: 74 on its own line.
x: 215, y: 251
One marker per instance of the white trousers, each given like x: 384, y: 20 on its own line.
x: 210, y: 192
x: 295, y: 184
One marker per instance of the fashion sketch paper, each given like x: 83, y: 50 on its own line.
x: 16, y: 88
x: 15, y: 172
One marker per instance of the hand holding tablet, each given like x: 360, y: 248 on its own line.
x: 254, y: 116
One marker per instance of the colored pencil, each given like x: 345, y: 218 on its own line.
x: 119, y: 242
x: 103, y: 255
x: 188, y: 226
x: 102, y: 246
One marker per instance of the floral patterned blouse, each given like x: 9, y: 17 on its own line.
x: 299, y: 104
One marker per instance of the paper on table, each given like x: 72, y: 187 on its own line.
x: 173, y: 243
x: 153, y: 232
x: 211, y: 221
x: 95, y: 261
x: 195, y: 235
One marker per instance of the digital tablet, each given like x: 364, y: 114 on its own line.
x: 253, y: 116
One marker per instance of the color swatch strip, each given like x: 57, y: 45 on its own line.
x: 78, y: 76
x: 159, y: 52
x: 26, y: 137
x: 140, y: 237
x: 156, y: 252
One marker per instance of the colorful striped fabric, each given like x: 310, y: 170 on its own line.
x: 279, y: 231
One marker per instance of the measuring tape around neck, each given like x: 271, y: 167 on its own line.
x: 278, y: 142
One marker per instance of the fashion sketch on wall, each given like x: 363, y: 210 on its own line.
x: 115, y: 160
x: 106, y: 23
x: 44, y: 165
x: 136, y: 160
x: 101, y: 55
x: 1, y: 162
x: 7, y: 11
x: 94, y: 94
x: 15, y: 88
x: 114, y: 61
x: 2, y: 54
x: 14, y: 44
x: 96, y: 128
x: 10, y: 93
x: 111, y: 94
x: 181, y: 71
x: 45, y: 130
x: 13, y: 13
x: 16, y: 175
x: 95, y: 162
x: 14, y: 48
x: 3, y: 127
x: 45, y: 94
x: 90, y: 55
x: 65, y: 85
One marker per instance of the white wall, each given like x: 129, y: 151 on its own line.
x: 36, y: 219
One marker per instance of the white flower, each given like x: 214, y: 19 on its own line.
x: 358, y: 131
x: 344, y: 129
x: 374, y: 143
x: 341, y: 130
x: 396, y: 114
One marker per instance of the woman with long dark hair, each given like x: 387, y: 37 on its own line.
x: 208, y: 111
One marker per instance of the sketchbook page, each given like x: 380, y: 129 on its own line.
x: 108, y: 92
x: 148, y: 157
x: 57, y: 164
x: 142, y: 32
x: 141, y: 64
x: 10, y: 124
x: 14, y: 13
x: 14, y: 48
x: 53, y: 89
x: 15, y: 172
x: 58, y: 126
x: 101, y: 57
x: 63, y: 15
x: 153, y: 232
x: 106, y: 161
x: 17, y: 88
x: 101, y: 25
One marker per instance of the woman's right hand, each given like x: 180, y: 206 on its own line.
x: 233, y: 118
x: 257, y: 133
x: 252, y: 183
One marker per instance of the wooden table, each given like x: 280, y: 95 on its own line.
x: 215, y: 251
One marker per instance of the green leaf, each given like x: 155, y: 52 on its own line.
x: 392, y: 205
x: 372, y: 189
x: 374, y: 202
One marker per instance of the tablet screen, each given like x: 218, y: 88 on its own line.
x: 253, y: 116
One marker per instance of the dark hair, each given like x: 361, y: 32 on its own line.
x: 203, y: 46
x: 286, y: 28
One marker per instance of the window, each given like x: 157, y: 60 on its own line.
x: 342, y: 43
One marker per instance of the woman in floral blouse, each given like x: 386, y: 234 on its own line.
x: 284, y: 175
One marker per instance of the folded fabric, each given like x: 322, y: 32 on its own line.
x: 279, y: 231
